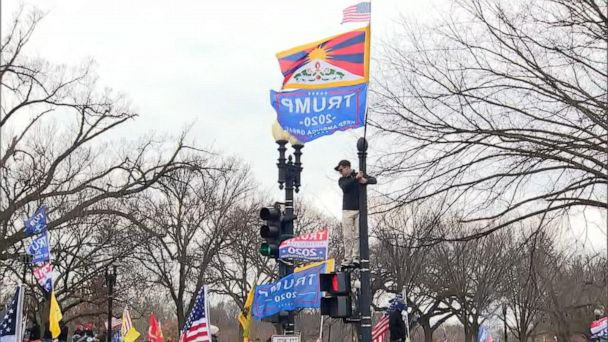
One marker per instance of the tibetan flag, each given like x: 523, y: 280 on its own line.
x: 54, y: 316
x: 336, y: 61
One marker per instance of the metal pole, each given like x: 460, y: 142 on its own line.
x: 284, y: 269
x: 407, y: 317
x: 504, y: 316
x: 110, y: 281
x: 365, y: 327
x: 321, y: 329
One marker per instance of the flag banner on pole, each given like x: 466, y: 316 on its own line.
x: 311, y: 114
x: 246, y: 316
x: 196, y: 328
x: 116, y: 323
x: 37, y: 223
x: 155, y: 333
x: 357, y: 13
x: 11, y: 324
x: 312, y: 246
x: 54, y: 316
x: 380, y: 330
x: 484, y: 335
x: 127, y: 330
x: 39, y: 249
x: 336, y: 61
x: 44, y: 276
x: 599, y: 328
x: 329, y: 266
x: 298, y: 290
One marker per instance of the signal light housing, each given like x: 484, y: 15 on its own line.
x: 336, y: 302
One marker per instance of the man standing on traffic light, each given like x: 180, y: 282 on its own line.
x: 349, y: 183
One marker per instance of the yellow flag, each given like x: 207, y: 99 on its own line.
x: 329, y: 265
x: 245, y: 320
x: 54, y: 316
x: 131, y: 335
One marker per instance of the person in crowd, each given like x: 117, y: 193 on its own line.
x: 396, y: 325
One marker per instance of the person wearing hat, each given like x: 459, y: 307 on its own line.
x: 396, y: 325
x: 349, y: 183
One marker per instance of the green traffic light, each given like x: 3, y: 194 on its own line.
x: 265, y: 249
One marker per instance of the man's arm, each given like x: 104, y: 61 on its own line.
x: 347, y: 182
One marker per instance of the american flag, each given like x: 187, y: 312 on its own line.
x: 126, y: 322
x: 11, y: 324
x: 196, y: 328
x: 359, y: 12
x: 380, y: 330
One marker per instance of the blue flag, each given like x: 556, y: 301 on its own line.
x: 37, y: 223
x: 310, y: 114
x: 295, y: 291
x: 39, y: 249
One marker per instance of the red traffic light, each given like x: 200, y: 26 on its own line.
x: 336, y: 283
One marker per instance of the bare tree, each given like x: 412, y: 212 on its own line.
x: 574, y: 287
x: 499, y: 109
x: 56, y: 130
x: 194, y: 213
x: 55, y: 123
x: 402, y: 261
x: 524, y: 288
x: 469, y: 275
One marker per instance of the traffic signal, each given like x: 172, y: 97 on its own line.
x: 271, y: 231
x: 336, y: 301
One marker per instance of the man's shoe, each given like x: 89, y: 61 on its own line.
x: 347, y: 263
x: 356, y: 262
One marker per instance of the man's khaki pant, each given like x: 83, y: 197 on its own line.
x: 350, y: 231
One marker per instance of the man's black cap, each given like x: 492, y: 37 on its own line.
x: 342, y: 162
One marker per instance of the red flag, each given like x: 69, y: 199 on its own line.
x: 155, y: 334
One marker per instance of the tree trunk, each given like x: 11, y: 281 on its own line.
x: 428, y: 332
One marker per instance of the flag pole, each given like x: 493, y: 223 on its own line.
x: 321, y: 329
x: 365, y: 298
x: 407, y: 319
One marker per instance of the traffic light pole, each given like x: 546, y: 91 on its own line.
x: 365, y: 327
x: 289, y: 178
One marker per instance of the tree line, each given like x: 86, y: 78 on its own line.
x: 494, y: 122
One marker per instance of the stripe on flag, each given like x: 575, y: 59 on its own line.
x: 356, y: 13
x: 380, y: 330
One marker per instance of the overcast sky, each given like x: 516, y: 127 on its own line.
x: 209, y: 65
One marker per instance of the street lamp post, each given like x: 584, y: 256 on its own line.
x: 504, y: 317
x: 365, y: 299
x: 290, y: 169
x: 110, y: 282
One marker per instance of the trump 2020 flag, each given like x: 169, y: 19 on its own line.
x: 36, y: 224
x: 312, y: 246
x: 39, y: 249
x: 11, y: 324
x: 311, y: 114
x: 336, y: 61
x: 44, y: 276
